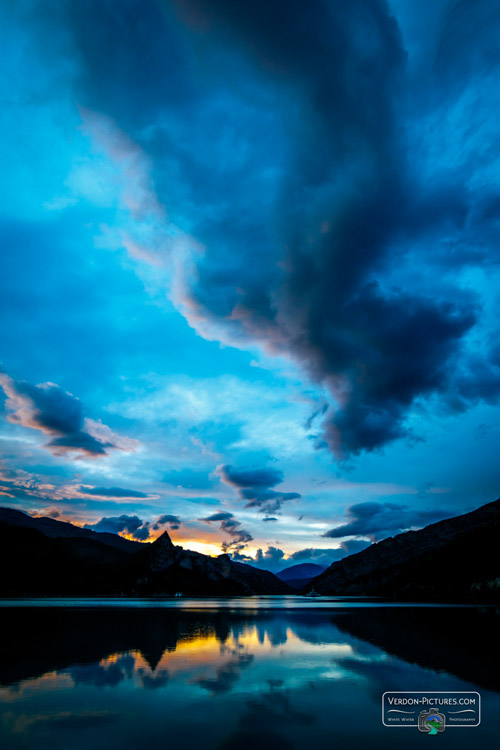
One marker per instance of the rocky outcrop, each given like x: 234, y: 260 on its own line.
x: 162, y: 553
x: 162, y: 568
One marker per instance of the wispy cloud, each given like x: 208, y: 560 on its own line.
x: 230, y: 526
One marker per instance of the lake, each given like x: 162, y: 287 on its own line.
x: 258, y: 672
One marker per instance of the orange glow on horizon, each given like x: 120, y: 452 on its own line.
x: 211, y: 546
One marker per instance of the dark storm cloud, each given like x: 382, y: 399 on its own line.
x: 230, y: 526
x: 53, y: 411
x: 310, y: 271
x: 468, y: 41
x: 132, y: 525
x: 478, y: 382
x: 254, y: 486
x: 316, y: 48
x: 379, y: 520
x: 132, y: 65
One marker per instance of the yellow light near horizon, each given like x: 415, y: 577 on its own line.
x: 199, y: 650
x: 206, y: 548
x: 210, y: 548
x: 206, y: 649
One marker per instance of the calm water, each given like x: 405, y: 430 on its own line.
x: 253, y: 673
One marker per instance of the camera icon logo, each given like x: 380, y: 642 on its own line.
x: 431, y: 722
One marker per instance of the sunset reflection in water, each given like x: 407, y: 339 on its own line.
x: 122, y: 678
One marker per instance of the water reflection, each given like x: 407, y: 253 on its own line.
x: 86, y: 677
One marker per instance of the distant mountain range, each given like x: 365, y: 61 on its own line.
x: 456, y: 559
x: 45, y: 557
x: 299, y: 576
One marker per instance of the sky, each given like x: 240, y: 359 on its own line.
x: 249, y: 269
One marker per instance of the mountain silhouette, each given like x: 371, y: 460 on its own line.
x: 45, y: 557
x: 63, y: 530
x: 456, y: 559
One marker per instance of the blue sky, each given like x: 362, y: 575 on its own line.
x: 249, y: 268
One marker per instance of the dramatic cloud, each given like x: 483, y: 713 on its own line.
x: 347, y: 172
x: 230, y: 526
x: 379, y: 520
x: 253, y: 486
x: 53, y: 411
x: 131, y: 525
x: 376, y: 346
